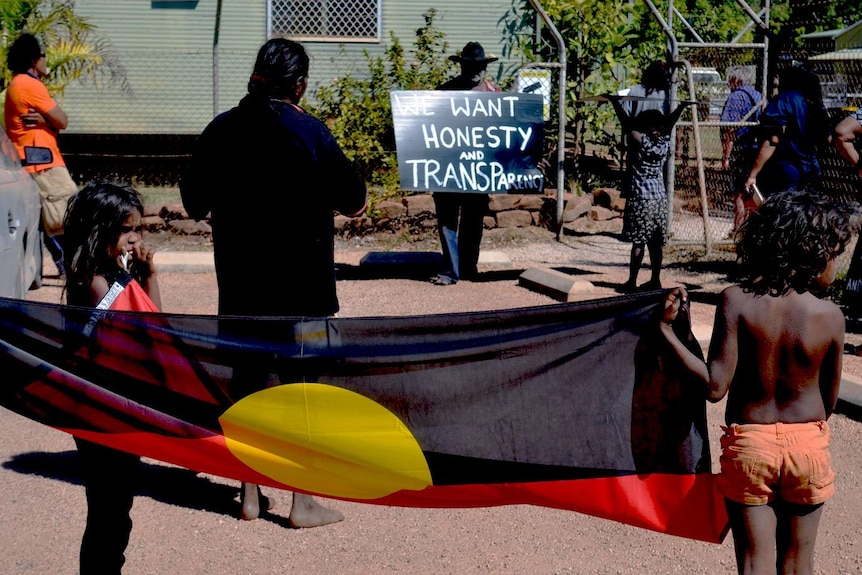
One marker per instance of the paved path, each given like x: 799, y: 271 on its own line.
x: 186, y: 522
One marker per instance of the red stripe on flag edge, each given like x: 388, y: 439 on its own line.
x: 661, y: 502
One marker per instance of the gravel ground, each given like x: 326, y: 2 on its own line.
x: 186, y: 522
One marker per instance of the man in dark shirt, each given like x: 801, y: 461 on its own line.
x: 460, y: 215
x: 271, y: 176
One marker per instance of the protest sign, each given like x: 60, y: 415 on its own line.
x: 464, y: 141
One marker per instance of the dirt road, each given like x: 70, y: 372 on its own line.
x: 185, y: 523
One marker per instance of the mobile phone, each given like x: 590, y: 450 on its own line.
x: 755, y: 197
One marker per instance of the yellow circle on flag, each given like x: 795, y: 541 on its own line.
x: 326, y: 440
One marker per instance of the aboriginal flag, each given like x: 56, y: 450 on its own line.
x: 570, y: 406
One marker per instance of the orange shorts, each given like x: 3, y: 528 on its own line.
x: 764, y: 462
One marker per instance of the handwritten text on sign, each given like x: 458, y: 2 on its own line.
x: 484, y: 142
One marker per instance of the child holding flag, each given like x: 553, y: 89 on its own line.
x: 645, y: 216
x: 776, y: 351
x: 107, y: 267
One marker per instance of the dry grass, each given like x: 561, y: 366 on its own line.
x: 155, y: 195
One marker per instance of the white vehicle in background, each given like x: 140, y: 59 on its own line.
x: 710, y: 88
x: 20, y: 215
x: 705, y: 76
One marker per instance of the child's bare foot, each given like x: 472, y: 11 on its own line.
x: 265, y: 502
x: 252, y: 501
x: 306, y: 512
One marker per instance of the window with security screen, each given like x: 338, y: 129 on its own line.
x: 322, y: 20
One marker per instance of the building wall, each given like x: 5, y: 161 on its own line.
x: 166, y: 48
x: 850, y: 38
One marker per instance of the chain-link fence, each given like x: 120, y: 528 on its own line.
x: 148, y: 139
x: 708, y: 172
x: 720, y: 184
x: 706, y: 169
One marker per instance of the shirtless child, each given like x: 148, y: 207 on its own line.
x: 776, y: 351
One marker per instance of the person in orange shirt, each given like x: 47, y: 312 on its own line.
x: 33, y: 118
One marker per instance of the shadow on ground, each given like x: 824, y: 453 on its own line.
x: 167, y: 484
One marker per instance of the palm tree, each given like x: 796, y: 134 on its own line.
x: 75, y: 51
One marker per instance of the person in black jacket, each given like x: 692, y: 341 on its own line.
x: 270, y: 176
x: 460, y: 215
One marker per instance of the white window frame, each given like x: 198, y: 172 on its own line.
x: 307, y: 38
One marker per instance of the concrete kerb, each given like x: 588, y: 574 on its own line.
x: 202, y: 261
x: 185, y: 262
x: 556, y: 284
x: 553, y: 283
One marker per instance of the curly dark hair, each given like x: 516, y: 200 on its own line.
x: 649, y: 120
x: 655, y: 77
x: 23, y: 52
x: 807, y: 83
x: 802, y: 80
x: 787, y: 242
x: 94, y: 221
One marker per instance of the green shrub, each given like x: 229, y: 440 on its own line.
x: 358, y: 110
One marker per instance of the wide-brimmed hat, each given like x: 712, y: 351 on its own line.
x: 473, y: 52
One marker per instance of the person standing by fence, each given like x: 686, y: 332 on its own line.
x: 33, y: 118
x: 645, y: 216
x: 794, y: 128
x: 460, y: 216
x: 741, y: 106
x: 739, y: 144
x: 847, y: 132
x: 651, y: 93
x: 846, y: 136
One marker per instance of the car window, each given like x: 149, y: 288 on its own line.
x: 706, y: 76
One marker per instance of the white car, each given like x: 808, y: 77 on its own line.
x: 20, y: 214
x: 710, y: 87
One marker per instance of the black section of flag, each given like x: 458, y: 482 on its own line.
x: 561, y: 390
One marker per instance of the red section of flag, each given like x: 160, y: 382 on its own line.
x: 657, y: 501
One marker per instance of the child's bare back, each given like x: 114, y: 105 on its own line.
x: 788, y: 352
x: 776, y: 353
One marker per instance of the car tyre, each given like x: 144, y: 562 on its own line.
x: 20, y: 288
x: 37, y: 277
